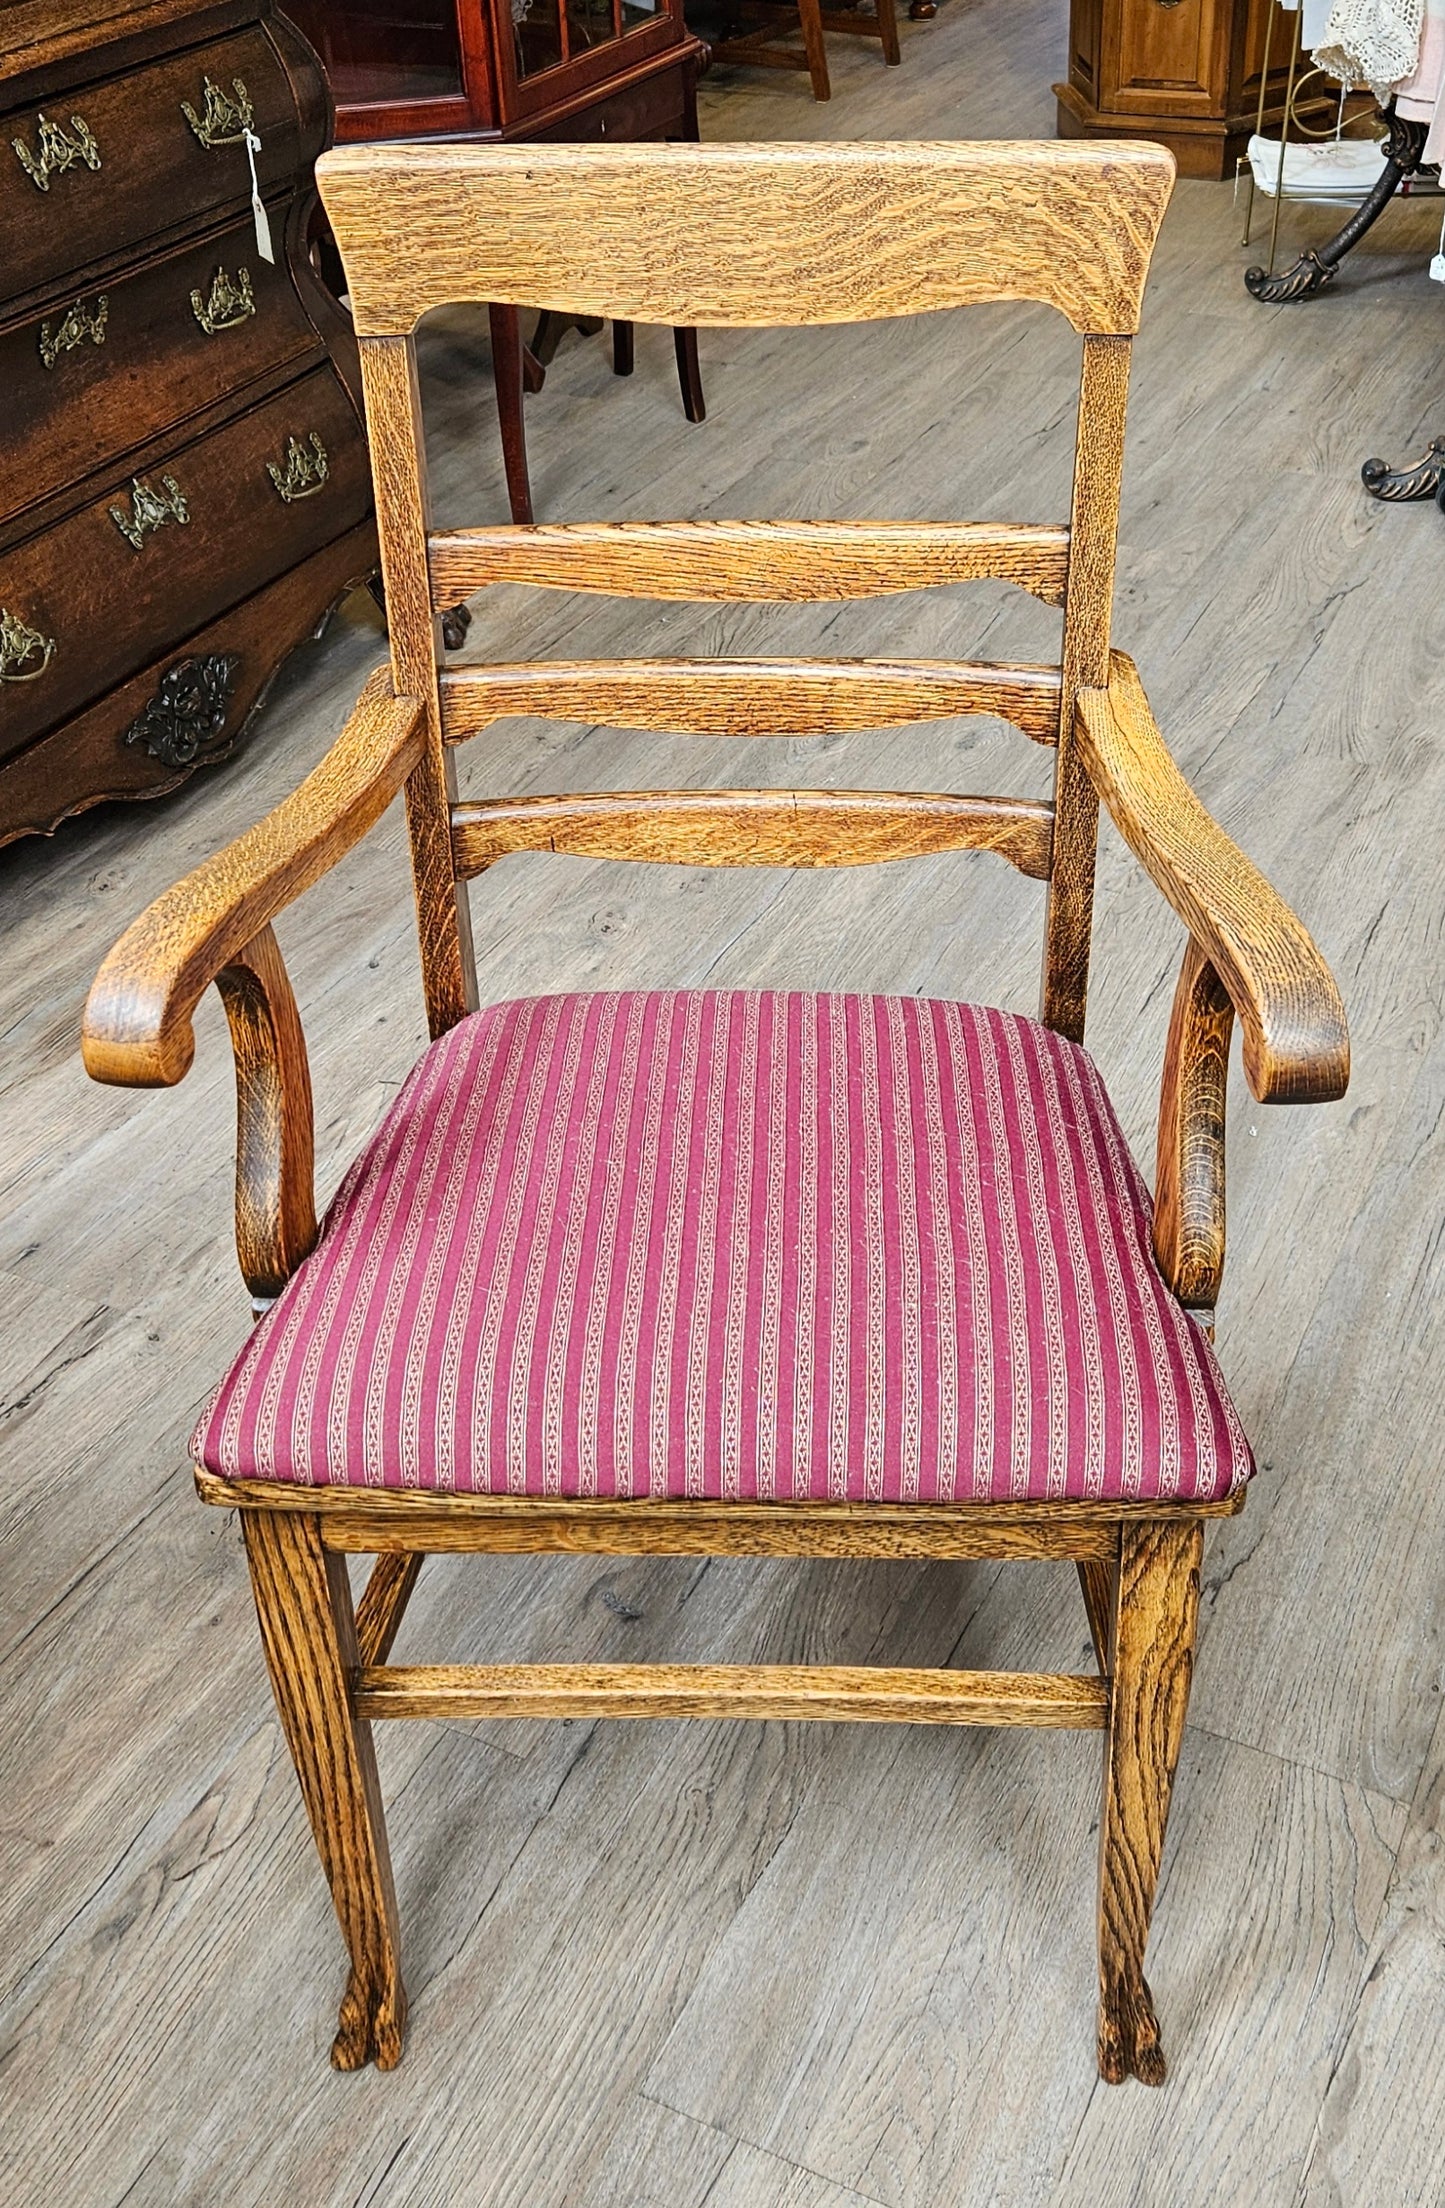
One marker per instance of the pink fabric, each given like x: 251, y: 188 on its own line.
x: 735, y: 1246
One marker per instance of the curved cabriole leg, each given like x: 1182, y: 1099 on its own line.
x: 1156, y: 1605
x: 1422, y: 479
x: 1318, y: 267
x: 308, y: 1630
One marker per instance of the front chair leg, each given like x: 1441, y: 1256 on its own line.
x: 1156, y: 1606
x: 303, y: 1600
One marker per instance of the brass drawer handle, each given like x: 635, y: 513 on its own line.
x: 76, y: 325
x: 304, y: 469
x: 150, y: 510
x: 56, y: 150
x: 225, y: 122
x: 19, y: 644
x: 228, y: 304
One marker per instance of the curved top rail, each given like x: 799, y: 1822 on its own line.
x: 740, y: 235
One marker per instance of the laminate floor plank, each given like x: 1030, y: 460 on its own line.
x: 789, y: 1967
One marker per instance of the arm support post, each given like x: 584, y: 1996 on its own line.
x: 275, y: 1156
x: 1189, y: 1180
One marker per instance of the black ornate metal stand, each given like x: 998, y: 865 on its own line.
x: 1318, y: 266
x: 1425, y: 478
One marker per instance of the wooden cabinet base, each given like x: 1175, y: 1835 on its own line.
x: 187, y: 711
x: 1186, y: 76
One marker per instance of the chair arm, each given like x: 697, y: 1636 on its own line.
x: 1296, y: 1045
x: 137, y: 1027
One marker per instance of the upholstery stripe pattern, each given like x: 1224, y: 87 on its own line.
x: 742, y: 1245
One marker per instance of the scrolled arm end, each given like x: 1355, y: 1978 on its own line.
x: 1292, y: 1021
x: 137, y: 1029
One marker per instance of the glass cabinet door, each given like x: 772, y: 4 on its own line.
x: 384, y: 50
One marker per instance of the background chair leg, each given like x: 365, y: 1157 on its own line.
x: 689, y: 375
x: 1096, y: 1582
x: 810, y: 15
x: 507, y: 375
x: 1156, y: 1606
x: 303, y: 1600
x: 622, y: 349
x: 888, y: 31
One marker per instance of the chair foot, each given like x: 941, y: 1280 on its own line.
x: 371, y: 2026
x: 1129, y: 2043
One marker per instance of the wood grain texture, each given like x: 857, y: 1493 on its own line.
x: 382, y: 1607
x: 1296, y: 1046
x: 1096, y: 1585
x: 741, y: 235
x: 800, y: 828
x: 758, y: 562
x: 721, y: 697
x: 303, y: 1602
x: 407, y: 1518
x: 275, y: 1142
x: 398, y: 466
x: 1156, y: 1605
x: 1189, y: 1212
x: 833, y: 1693
x: 137, y: 1028
x: 1088, y: 609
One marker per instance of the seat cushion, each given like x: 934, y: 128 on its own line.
x: 737, y: 1245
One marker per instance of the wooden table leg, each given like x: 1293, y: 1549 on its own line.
x: 507, y: 374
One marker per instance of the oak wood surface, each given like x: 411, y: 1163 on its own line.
x: 1296, y: 1049
x: 947, y: 225
x: 275, y: 1141
x: 833, y: 1693
x: 755, y: 827
x: 1189, y: 1218
x: 1152, y: 1628
x: 410, y: 1519
x: 768, y: 562
x: 720, y: 697
x: 137, y: 1028
x: 1306, y: 1732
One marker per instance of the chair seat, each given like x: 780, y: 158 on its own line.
x: 737, y: 1245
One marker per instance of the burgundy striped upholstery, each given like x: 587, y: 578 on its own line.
x: 737, y: 1245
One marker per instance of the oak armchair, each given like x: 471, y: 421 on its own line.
x: 745, y: 1273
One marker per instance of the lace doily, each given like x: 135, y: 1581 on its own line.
x: 1373, y: 42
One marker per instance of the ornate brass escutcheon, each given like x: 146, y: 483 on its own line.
x: 224, y: 121
x: 76, y: 325
x: 56, y: 150
x: 19, y: 645
x: 150, y: 510
x: 304, y: 469
x: 189, y: 710
x: 228, y: 303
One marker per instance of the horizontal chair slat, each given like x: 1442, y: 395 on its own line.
x: 836, y: 1693
x: 759, y: 562
x: 754, y: 827
x: 750, y: 697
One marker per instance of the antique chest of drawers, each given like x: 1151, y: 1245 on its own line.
x: 185, y: 492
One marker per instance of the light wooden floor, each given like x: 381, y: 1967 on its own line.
x: 783, y: 1967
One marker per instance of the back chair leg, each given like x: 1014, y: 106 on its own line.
x: 888, y: 31
x: 1096, y: 1582
x: 810, y: 16
x: 308, y: 1629
x: 1155, y: 1609
x: 689, y: 375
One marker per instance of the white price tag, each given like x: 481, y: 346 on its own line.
x: 1437, y: 268
x: 258, y: 211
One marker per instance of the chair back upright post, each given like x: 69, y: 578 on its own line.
x: 748, y: 236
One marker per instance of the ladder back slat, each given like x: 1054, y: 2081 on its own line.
x: 803, y: 828
x: 750, y: 697
x: 761, y: 562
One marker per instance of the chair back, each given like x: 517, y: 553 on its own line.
x: 734, y: 236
